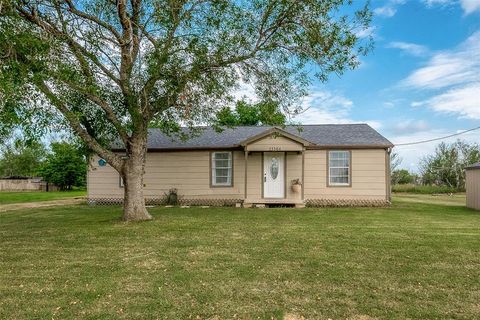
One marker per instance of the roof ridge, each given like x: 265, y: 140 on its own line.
x: 283, y: 126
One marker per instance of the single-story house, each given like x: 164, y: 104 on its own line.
x: 313, y: 165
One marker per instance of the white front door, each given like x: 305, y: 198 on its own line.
x: 273, y: 175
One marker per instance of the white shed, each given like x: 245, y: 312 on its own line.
x: 472, y: 186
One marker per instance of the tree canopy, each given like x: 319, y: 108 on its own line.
x: 447, y: 165
x: 21, y: 158
x: 251, y: 114
x: 402, y: 176
x: 107, y: 70
x: 65, y: 166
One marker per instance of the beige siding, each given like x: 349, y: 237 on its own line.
x: 254, y: 175
x: 473, y: 188
x: 103, y: 182
x: 294, y: 171
x: 368, y: 176
x: 275, y: 144
x: 189, y: 172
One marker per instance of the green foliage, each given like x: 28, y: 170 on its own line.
x: 402, y: 177
x: 21, y: 158
x: 251, y: 114
x: 447, y: 165
x: 105, y: 71
x: 423, y: 189
x: 65, y: 167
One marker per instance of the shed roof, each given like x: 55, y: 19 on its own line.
x: 473, y: 166
x: 322, y: 135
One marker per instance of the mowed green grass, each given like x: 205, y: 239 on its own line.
x: 413, y: 260
x: 7, y: 197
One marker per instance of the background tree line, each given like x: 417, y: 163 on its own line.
x: 61, y: 163
x: 444, y: 168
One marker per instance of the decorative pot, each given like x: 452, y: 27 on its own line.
x: 296, y: 188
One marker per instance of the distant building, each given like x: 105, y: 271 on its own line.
x: 21, y: 183
x: 472, y: 185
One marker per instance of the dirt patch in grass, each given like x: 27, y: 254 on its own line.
x: 41, y: 204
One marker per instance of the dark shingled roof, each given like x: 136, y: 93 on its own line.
x: 474, y: 166
x: 360, y: 135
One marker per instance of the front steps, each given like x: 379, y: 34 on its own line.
x: 267, y: 203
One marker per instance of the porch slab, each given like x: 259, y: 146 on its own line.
x: 248, y: 203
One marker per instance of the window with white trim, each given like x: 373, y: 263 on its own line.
x: 222, y: 168
x: 339, y: 168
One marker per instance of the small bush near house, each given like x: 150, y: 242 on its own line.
x: 423, y: 189
x: 172, y: 197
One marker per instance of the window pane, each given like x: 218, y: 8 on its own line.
x: 222, y: 168
x: 339, y: 180
x: 339, y: 167
x: 336, y: 155
x: 339, y: 163
x: 222, y: 164
x: 222, y: 180
x: 222, y: 155
x: 342, y: 172
x: 222, y: 172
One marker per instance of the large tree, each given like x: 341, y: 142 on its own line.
x: 109, y: 69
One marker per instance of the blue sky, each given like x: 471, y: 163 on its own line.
x: 421, y: 81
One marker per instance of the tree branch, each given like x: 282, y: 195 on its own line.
x: 111, y: 116
x: 112, y: 158
x: 94, y: 19
x: 33, y: 17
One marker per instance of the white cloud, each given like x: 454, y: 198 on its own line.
x: 464, y: 101
x: 385, y: 11
x: 366, y: 32
x: 470, y: 6
x: 245, y: 91
x: 409, y: 48
x: 431, y: 3
x: 410, y: 126
x: 457, y: 73
x: 388, y: 104
x: 389, y: 9
x: 325, y: 107
x: 449, y: 68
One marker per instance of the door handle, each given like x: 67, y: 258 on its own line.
x: 265, y: 177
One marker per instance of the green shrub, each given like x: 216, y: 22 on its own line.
x: 425, y: 189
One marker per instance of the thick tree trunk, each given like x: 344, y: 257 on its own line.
x: 133, y: 171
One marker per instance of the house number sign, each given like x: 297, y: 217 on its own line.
x: 275, y: 149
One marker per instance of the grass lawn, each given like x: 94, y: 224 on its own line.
x: 22, y: 197
x: 413, y: 260
x: 455, y: 199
